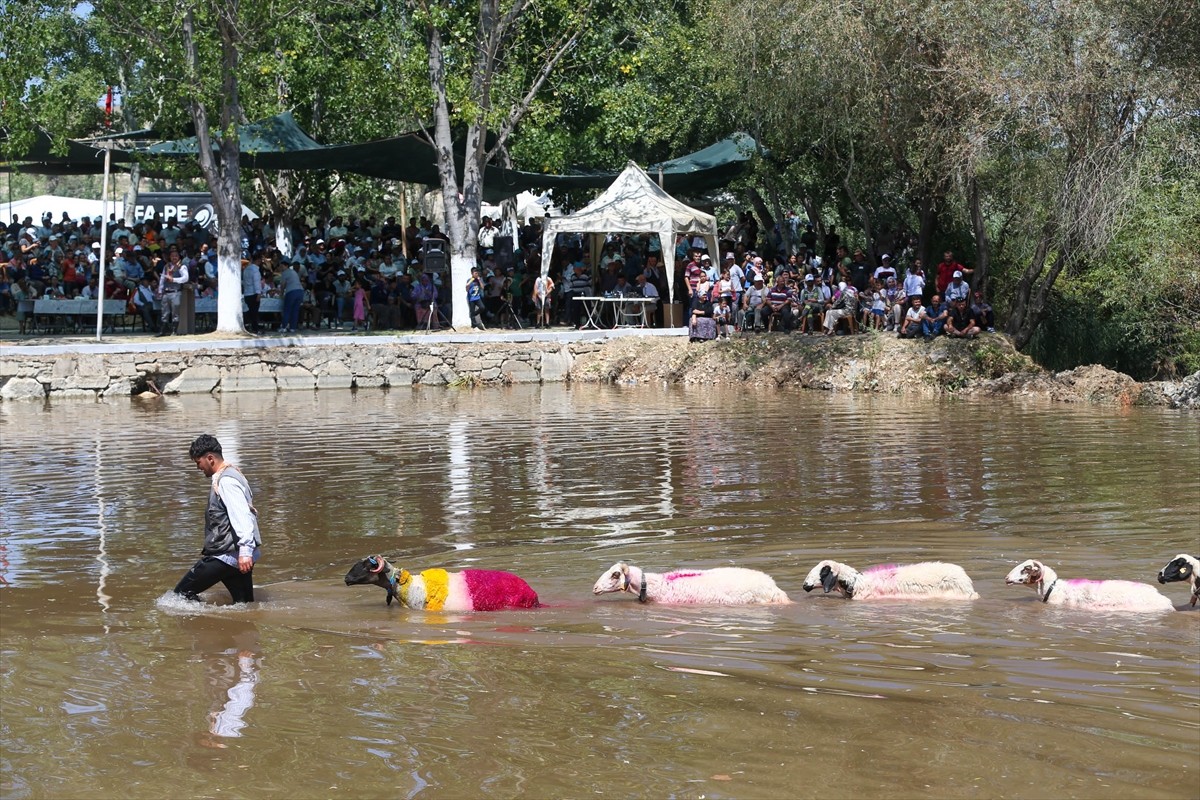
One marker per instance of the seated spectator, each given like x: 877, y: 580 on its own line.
x: 647, y: 289
x: 778, y: 306
x: 914, y: 318
x: 935, y: 318
x: 914, y: 280
x: 843, y: 305
x: 885, y: 269
x: 701, y: 325
x: 812, y: 302
x: 958, y: 289
x: 143, y: 301
x: 895, y: 303
x: 754, y: 308
x: 310, y: 312
x: 723, y: 316
x: 876, y: 313
x: 961, y: 322
x: 985, y: 317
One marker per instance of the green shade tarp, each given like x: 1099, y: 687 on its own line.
x: 278, y: 143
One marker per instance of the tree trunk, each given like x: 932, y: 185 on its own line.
x: 927, y: 221
x: 767, y: 228
x: 461, y: 208
x: 1018, y: 319
x: 983, y: 248
x: 864, y: 217
x: 222, y: 170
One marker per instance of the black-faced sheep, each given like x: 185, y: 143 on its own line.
x: 1080, y: 593
x: 929, y: 580
x: 723, y: 586
x: 439, y: 590
x: 1183, y: 568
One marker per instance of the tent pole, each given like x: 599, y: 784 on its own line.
x: 103, y: 241
x: 404, y: 223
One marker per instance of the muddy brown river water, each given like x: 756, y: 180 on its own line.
x: 109, y: 688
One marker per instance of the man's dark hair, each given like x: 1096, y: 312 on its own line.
x: 205, y: 443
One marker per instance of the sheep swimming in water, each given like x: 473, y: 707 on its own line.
x: 1079, y: 593
x: 1183, y: 568
x: 928, y: 580
x: 439, y: 590
x: 723, y: 586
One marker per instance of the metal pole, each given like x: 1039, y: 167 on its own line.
x: 103, y: 241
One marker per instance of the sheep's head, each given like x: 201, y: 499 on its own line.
x: 828, y: 574
x: 1027, y: 573
x: 372, y: 570
x: 614, y: 579
x: 1181, y: 568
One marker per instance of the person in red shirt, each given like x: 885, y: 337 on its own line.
x: 946, y: 270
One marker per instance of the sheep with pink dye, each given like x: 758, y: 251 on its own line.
x: 723, y: 586
x: 1183, y: 568
x: 1079, y: 593
x: 929, y: 580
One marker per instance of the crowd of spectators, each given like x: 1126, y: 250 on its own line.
x: 364, y: 274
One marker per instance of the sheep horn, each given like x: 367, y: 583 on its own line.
x: 381, y: 563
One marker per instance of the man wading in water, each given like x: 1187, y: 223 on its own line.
x: 231, y: 540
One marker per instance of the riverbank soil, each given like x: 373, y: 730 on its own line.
x: 879, y: 363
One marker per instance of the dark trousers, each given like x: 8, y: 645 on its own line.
x: 208, y: 572
x: 251, y: 312
x: 291, y: 309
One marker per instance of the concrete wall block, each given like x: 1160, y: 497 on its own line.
x: 398, y: 376
x: 62, y: 367
x: 118, y: 387
x: 293, y: 378
x: 334, y: 375
x: 200, y: 379
x: 516, y: 371
x: 87, y: 381
x: 248, y: 378
x: 556, y: 365
x: 429, y: 362
x: 22, y: 389
x: 369, y: 381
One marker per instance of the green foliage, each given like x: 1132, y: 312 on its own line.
x: 1137, y: 308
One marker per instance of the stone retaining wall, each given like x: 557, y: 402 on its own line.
x: 28, y: 376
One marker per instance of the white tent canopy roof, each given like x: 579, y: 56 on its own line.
x: 635, y: 204
x: 35, y: 207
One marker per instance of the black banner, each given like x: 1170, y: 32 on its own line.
x: 195, y: 207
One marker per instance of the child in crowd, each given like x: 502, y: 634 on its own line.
x: 362, y: 305
x: 723, y: 315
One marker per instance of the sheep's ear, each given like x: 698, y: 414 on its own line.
x: 828, y: 579
x: 1034, y: 570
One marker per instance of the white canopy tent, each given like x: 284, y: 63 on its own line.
x: 76, y: 208
x: 634, y: 204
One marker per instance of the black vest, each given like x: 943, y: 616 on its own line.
x: 219, y: 536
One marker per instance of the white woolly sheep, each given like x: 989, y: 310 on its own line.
x: 1183, y: 568
x: 929, y: 580
x: 723, y: 586
x: 1080, y: 593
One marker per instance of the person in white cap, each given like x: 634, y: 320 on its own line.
x: 958, y: 289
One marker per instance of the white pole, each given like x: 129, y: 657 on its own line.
x: 103, y: 242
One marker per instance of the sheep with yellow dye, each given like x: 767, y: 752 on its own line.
x: 439, y: 590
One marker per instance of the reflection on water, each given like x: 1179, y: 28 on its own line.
x: 109, y: 687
